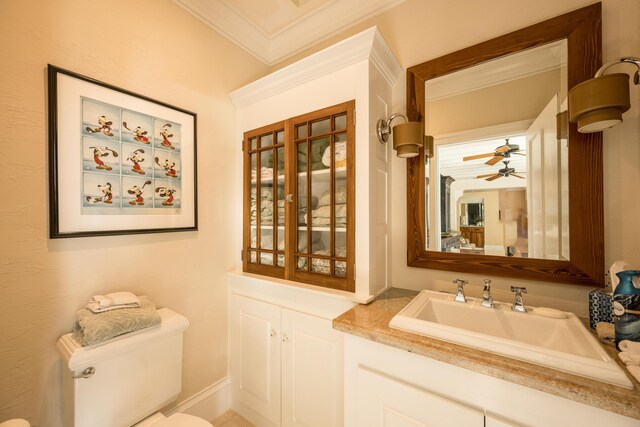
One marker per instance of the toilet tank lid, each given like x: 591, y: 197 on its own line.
x: 79, y: 357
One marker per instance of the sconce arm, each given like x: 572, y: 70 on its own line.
x: 383, y: 127
x: 628, y: 59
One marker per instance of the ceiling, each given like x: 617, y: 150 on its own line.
x: 273, y: 30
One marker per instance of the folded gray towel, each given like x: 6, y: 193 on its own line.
x: 91, y: 328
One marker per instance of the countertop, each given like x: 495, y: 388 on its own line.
x: 371, y: 321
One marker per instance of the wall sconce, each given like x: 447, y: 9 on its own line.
x: 428, y: 147
x: 408, y: 137
x: 598, y: 103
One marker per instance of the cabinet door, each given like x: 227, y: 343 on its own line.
x: 389, y: 402
x: 492, y: 420
x: 322, y: 234
x: 312, y: 371
x: 255, y: 355
x: 264, y: 201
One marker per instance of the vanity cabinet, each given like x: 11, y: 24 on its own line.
x: 299, y: 198
x: 286, y: 366
x: 354, y: 225
x: 392, y: 387
x: 384, y: 401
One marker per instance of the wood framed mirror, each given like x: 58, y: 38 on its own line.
x: 582, y: 30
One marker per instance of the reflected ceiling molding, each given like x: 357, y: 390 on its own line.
x: 292, y: 28
x: 514, y: 67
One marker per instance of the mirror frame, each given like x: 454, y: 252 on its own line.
x: 583, y: 30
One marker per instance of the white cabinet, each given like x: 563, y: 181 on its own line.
x: 384, y: 401
x: 312, y: 371
x: 286, y: 366
x: 255, y: 355
x: 386, y: 386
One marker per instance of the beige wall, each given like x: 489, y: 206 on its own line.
x: 154, y: 48
x: 494, y: 105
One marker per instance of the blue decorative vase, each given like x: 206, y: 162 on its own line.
x: 626, y: 307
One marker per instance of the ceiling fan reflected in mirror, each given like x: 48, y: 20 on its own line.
x: 502, y: 152
x: 505, y: 172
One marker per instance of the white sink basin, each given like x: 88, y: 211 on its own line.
x: 563, y: 344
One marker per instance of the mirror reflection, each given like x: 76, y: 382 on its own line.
x: 498, y: 182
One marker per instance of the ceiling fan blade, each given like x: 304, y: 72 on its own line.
x: 503, y: 148
x: 496, y: 176
x: 486, y: 175
x: 493, y: 161
x: 518, y: 176
x: 519, y: 154
x: 477, y: 156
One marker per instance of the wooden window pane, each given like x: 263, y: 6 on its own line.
x: 266, y: 140
x: 266, y: 259
x: 340, y: 122
x: 301, y: 131
x: 320, y: 127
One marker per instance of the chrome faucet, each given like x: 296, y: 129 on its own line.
x: 460, y: 292
x: 518, y: 305
x: 487, y: 299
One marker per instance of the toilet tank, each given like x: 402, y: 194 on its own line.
x: 133, y: 375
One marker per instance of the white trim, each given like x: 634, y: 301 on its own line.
x: 208, y: 403
x: 317, y: 301
x: 300, y: 34
x: 368, y: 44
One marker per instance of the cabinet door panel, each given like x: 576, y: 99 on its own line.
x: 255, y: 355
x: 312, y: 371
x: 387, y: 402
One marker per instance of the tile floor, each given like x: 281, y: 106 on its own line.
x: 231, y: 419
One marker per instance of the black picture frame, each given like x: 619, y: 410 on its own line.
x: 120, y: 163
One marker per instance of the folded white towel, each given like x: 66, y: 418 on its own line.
x: 95, y: 308
x: 630, y: 347
x: 115, y: 298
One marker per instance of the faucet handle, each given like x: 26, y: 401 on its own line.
x: 460, y: 291
x: 518, y: 305
x: 487, y: 299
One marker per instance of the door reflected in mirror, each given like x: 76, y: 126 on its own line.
x: 498, y: 183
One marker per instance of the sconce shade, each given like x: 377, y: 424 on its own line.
x: 598, y: 104
x: 407, y: 139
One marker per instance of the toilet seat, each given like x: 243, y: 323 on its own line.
x: 175, y: 420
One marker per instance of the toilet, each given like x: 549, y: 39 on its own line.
x: 124, y: 381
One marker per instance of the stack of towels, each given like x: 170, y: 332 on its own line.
x: 111, y: 315
x: 630, y: 355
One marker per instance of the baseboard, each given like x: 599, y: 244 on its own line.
x: 209, y: 403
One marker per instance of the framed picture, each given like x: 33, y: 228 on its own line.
x: 119, y: 163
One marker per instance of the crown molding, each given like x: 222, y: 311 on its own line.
x: 297, y: 36
x: 367, y: 45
